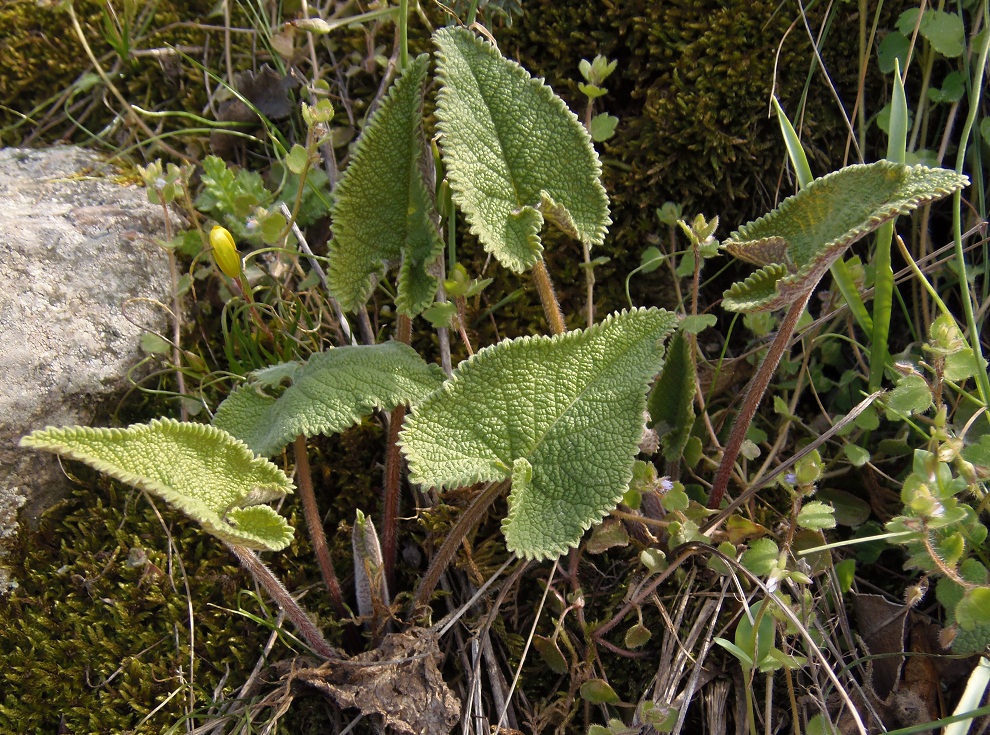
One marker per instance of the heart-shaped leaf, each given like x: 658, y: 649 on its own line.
x: 798, y: 241
x: 201, y: 470
x: 514, y: 153
x: 561, y: 416
x: 333, y: 391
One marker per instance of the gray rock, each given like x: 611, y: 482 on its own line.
x: 75, y: 249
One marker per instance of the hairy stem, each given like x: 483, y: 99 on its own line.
x: 315, y: 524
x: 293, y: 611
x: 479, y: 506
x: 548, y: 297
x: 393, y: 473
x: 754, y: 394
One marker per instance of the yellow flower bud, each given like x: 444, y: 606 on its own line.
x: 225, y: 251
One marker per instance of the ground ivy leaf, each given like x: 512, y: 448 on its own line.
x: 761, y: 556
x: 514, y: 153
x: 382, y: 209
x: 333, y: 391
x: 912, y: 395
x: 797, y: 242
x: 562, y: 416
x: 199, y: 469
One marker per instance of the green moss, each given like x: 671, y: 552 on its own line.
x: 41, y: 58
x: 96, y: 637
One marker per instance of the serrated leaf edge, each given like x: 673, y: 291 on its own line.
x: 791, y: 286
x: 358, y: 154
x: 460, y: 177
x: 414, y: 461
x: 46, y: 439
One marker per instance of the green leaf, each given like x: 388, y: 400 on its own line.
x: 974, y: 608
x: 856, y: 454
x: 912, y: 395
x: 297, y: 159
x: 795, y: 151
x: 797, y: 242
x: 671, y: 402
x: 952, y: 90
x: 944, y: 31
x: 818, y: 725
x: 229, y: 197
x: 382, y: 209
x: 676, y: 498
x: 602, y: 127
x: 637, y: 636
x: 441, y: 315
x: 978, y: 453
x: 961, y: 365
x: 597, y: 691
x: 894, y: 47
x: 333, y: 391
x: 743, y: 657
x: 550, y: 653
x: 696, y: 324
x: 570, y: 406
x: 201, y: 470
x: 155, y: 345
x: 513, y: 152
x: 845, y: 573
x: 591, y: 91
x: 756, y: 641
x: 650, y: 259
x: 849, y: 509
x: 761, y: 556
x: 816, y: 516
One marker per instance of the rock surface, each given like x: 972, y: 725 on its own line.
x: 76, y: 255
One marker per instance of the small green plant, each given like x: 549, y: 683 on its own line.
x: 544, y: 431
x: 563, y: 415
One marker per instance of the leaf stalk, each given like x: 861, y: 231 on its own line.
x: 755, y: 391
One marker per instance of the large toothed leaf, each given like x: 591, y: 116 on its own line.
x: 561, y: 416
x: 333, y: 391
x: 514, y: 153
x: 201, y: 470
x: 809, y: 230
x: 382, y: 210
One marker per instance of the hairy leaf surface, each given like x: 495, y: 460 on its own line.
x: 382, y: 210
x: 201, y: 470
x: 514, y: 153
x: 809, y: 230
x: 333, y: 391
x: 561, y: 416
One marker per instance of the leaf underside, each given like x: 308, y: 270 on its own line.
x: 514, y: 153
x: 561, y: 416
x: 333, y: 391
x: 671, y: 402
x: 381, y: 214
x: 201, y: 470
x: 808, y: 231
